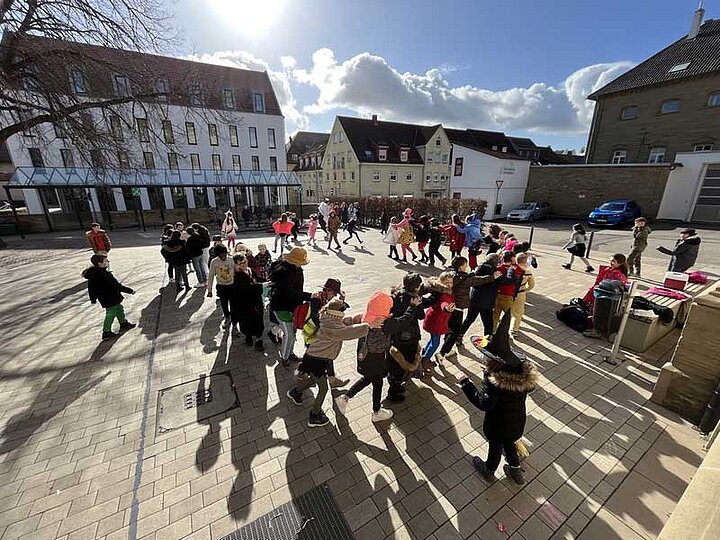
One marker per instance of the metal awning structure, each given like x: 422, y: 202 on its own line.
x: 59, y: 177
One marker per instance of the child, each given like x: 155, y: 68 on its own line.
x: 407, y: 234
x: 526, y: 285
x: 167, y: 235
x: 437, y: 319
x: 510, y: 242
x: 456, y: 233
x: 373, y: 352
x: 263, y: 260
x: 103, y: 286
x: 222, y: 268
x: 482, y: 297
x: 524, y: 247
x: 194, y: 246
x: 98, y: 240
x: 180, y: 226
x: 617, y: 271
x: 176, y: 255
x: 391, y: 238
x: 351, y: 229
x: 313, y: 369
x: 435, y: 242
x: 384, y: 222
x: 312, y: 229
x: 640, y: 234
x: 422, y: 235
x: 282, y: 228
x: 333, y: 226
x: 576, y: 247
x: 246, y: 304
x: 509, y: 284
x: 217, y: 241
x: 229, y: 229
x: 492, y: 238
x: 506, y: 382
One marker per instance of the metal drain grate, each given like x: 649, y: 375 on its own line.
x: 314, y: 515
x: 193, y: 399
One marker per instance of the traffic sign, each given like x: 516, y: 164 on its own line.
x: 499, y: 183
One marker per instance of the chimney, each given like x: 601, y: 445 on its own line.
x: 696, y: 22
x: 374, y: 120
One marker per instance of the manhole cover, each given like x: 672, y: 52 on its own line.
x: 195, y: 401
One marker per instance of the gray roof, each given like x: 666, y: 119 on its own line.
x: 702, y: 53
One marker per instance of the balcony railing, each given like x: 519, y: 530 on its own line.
x: 34, y: 177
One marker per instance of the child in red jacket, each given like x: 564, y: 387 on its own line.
x: 437, y: 319
x: 509, y: 285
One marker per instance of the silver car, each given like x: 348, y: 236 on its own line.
x: 530, y: 211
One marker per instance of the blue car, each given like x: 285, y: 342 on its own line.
x: 616, y: 212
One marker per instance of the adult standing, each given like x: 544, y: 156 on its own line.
x: 229, y: 228
x: 287, y: 294
x: 333, y: 225
x: 206, y: 242
x: 98, y: 240
x: 176, y: 255
x: 194, y: 244
x: 685, y: 253
x: 324, y: 211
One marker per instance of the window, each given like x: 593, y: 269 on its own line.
x: 273, y: 163
x: 409, y: 177
x: 116, y: 127
x: 376, y: 176
x: 679, y: 67
x: 234, y: 140
x: 344, y: 176
x: 271, y: 138
x: 670, y: 106
x: 393, y: 176
x: 36, y: 157
x: 259, y: 103
x: 60, y: 129
x: 619, y: 156
x: 427, y: 177
x: 196, y: 95
x: 340, y: 136
x: 143, y: 131
x: 382, y: 154
x: 162, y: 87
x: 628, y: 113
x: 657, y: 154
x: 444, y: 159
x: 201, y: 197
x: 352, y: 176
x: 172, y: 161
x: 403, y: 156
x: 458, y: 166
x: 430, y: 157
x: 457, y: 195
x: 123, y: 159
x: 216, y: 163
x: 229, y: 98
x: 213, y: 134
x: 77, y: 82
x: 702, y: 148
x: 96, y: 158
x: 191, y: 135
x: 168, y: 132
x: 255, y: 163
x: 253, y: 137
x: 342, y: 162
x: 436, y: 177
x: 149, y: 160
x: 442, y: 178
x: 121, y: 85
x: 714, y: 100
x: 438, y: 142
x: 195, y: 162
x: 237, y: 166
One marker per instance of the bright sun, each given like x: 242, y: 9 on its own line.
x: 251, y: 17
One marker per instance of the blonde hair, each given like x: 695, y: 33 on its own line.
x: 262, y: 246
x: 446, y: 278
x: 521, y: 258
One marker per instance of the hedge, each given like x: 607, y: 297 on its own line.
x: 370, y: 208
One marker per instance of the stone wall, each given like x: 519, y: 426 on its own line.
x: 686, y: 383
x: 574, y: 190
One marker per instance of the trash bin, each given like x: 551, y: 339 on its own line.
x: 610, y: 297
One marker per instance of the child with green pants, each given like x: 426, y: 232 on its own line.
x: 103, y: 286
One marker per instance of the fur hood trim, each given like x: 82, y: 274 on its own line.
x: 331, y: 316
x: 402, y: 362
x: 525, y: 381
x: 433, y: 284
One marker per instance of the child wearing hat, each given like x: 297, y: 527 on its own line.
x: 103, y: 286
x: 506, y: 382
x: 373, y: 351
x: 435, y: 242
x: 313, y: 369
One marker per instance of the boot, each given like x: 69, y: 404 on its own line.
x: 109, y: 335
x: 566, y: 266
x: 334, y: 382
x: 294, y: 396
x: 589, y: 269
x: 514, y: 473
x: 482, y: 468
x: 125, y: 326
x: 318, y: 420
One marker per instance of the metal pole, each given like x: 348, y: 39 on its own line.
x: 77, y: 202
x: 532, y: 233
x: 612, y: 359
x: 45, y: 210
x: 590, y: 242
x: 14, y: 213
x: 140, y: 211
x: 301, y: 204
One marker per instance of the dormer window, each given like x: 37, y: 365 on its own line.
x: 229, y: 98
x: 403, y: 156
x: 259, y: 103
x: 438, y: 142
x: 77, y: 81
x: 121, y: 85
x: 162, y: 87
x: 382, y: 154
x: 196, y: 95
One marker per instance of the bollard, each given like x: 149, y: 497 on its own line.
x: 532, y: 233
x: 712, y: 412
x: 589, y: 246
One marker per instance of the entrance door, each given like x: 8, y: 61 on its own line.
x: 707, y: 207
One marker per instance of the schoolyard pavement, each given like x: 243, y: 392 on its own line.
x: 82, y: 455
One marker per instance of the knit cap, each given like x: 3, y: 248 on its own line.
x: 378, y: 307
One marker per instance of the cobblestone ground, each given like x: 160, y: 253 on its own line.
x: 81, y: 455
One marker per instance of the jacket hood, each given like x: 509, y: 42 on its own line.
x: 692, y: 240
x: 173, y: 245
x: 433, y: 284
x: 90, y: 271
x: 524, y: 381
x: 474, y: 221
x: 330, y: 318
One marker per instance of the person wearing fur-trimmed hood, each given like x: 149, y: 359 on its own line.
x: 685, y: 253
x: 507, y: 380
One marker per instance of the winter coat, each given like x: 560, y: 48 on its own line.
x: 605, y: 272
x: 684, y: 255
x: 640, y: 237
x: 457, y: 237
x: 462, y: 281
x: 351, y: 226
x: 502, y: 396
x: 472, y: 231
x: 384, y: 221
x: 435, y: 237
x: 510, y: 282
x: 103, y: 287
x: 282, y: 227
x: 492, y: 243
x: 288, y: 282
x: 422, y: 234
x: 98, y: 241
x: 228, y: 227
x: 175, y: 252
x: 204, y: 235
x: 437, y: 317
x: 482, y: 297
x: 194, y: 246
x: 374, y: 349
x: 246, y: 300
x: 334, y: 224
x: 262, y: 263
x: 411, y: 333
x: 335, y: 328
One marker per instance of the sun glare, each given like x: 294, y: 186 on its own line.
x: 253, y: 18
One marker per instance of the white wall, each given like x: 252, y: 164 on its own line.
x: 683, y: 185
x: 480, y: 171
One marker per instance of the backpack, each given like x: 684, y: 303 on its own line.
x: 300, y: 315
x: 574, y: 315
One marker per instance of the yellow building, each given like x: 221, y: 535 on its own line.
x: 305, y: 153
x: 372, y: 158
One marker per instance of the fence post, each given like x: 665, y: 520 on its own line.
x: 18, y: 225
x: 589, y: 246
x: 532, y: 233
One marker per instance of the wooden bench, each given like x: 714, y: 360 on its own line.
x: 640, y: 334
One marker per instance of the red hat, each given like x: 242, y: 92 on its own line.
x: 378, y: 307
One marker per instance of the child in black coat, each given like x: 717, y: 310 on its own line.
x: 246, y: 304
x: 103, y: 286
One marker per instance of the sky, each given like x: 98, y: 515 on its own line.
x: 519, y: 66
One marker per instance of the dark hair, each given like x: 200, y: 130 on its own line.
x: 168, y: 229
x: 690, y: 232
x: 494, y: 365
x: 239, y: 257
x: 220, y: 250
x: 458, y: 262
x: 217, y: 237
x: 97, y: 259
x: 494, y: 230
x: 283, y: 217
x: 94, y: 225
x: 191, y: 231
x: 517, y: 248
x: 456, y: 219
x: 507, y: 257
x: 579, y: 228
x: 525, y: 246
x: 175, y: 234
x: 622, y: 263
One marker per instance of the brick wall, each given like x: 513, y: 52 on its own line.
x: 574, y: 190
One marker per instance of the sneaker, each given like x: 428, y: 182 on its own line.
x: 334, y: 382
x: 259, y: 345
x: 482, y: 468
x: 318, y: 420
x: 589, y: 269
x: 294, y: 396
x: 274, y: 338
x: 440, y: 358
x: 109, y: 335
x: 382, y: 415
x: 125, y: 326
x: 342, y: 403
x: 249, y: 341
x: 514, y: 473
x: 566, y: 266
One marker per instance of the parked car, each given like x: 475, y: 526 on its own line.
x: 616, y: 212
x: 529, y: 211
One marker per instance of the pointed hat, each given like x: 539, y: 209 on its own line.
x: 498, y: 348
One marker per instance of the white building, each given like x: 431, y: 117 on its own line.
x: 485, y: 167
x: 692, y: 192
